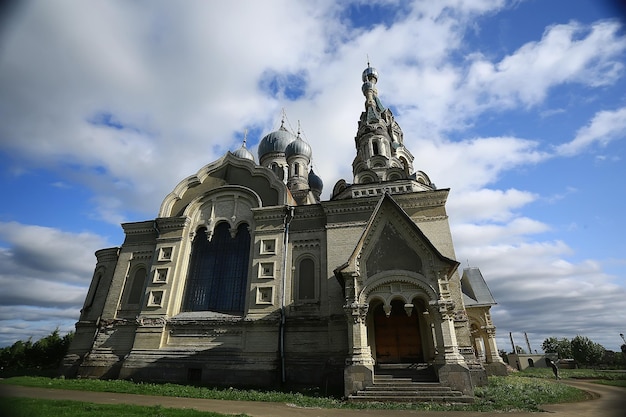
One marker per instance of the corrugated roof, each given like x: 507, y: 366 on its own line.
x: 475, y: 289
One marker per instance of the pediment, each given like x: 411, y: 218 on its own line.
x: 391, y: 241
x: 226, y: 171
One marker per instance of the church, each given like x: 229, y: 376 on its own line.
x: 248, y: 278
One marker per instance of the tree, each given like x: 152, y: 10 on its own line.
x: 46, y: 353
x: 585, y: 351
x: 562, y: 347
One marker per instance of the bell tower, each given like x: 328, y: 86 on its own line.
x: 381, y: 155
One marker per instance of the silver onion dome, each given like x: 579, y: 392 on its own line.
x: 370, y: 75
x: 276, y: 141
x: 298, y: 147
x: 244, y: 153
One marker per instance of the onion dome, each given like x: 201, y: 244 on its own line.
x: 315, y: 182
x: 298, y: 147
x: 275, y: 141
x: 243, y: 152
x: 370, y: 74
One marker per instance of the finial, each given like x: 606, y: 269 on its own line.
x: 282, y: 121
x: 245, y: 137
x: 298, y: 128
x: 368, y: 60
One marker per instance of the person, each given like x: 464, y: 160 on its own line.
x: 555, y: 369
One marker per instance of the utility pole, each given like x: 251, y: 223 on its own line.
x: 530, y: 351
x: 512, y: 342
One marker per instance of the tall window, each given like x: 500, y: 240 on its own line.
x: 93, y: 290
x: 306, y: 279
x: 375, y: 148
x: 218, y: 271
x: 136, y: 290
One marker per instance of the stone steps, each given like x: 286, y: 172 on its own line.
x: 401, y: 384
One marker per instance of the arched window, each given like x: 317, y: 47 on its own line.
x: 93, y: 290
x: 306, y: 279
x: 136, y: 290
x: 278, y: 170
x: 375, y: 148
x: 218, y: 271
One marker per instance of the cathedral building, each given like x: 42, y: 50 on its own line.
x: 248, y: 278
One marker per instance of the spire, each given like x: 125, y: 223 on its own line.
x: 381, y: 155
x: 373, y: 105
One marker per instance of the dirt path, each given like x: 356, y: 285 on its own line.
x: 611, y: 402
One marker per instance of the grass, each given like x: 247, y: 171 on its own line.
x: 30, y: 407
x: 514, y: 392
x: 614, y: 378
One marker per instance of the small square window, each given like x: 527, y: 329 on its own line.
x: 264, y: 295
x: 156, y: 298
x: 268, y: 246
x: 165, y: 254
x: 266, y: 270
x: 160, y: 275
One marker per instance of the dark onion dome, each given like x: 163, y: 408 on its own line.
x: 315, y: 182
x: 244, y: 153
x: 275, y: 141
x: 298, y: 147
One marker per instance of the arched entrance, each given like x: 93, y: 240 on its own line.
x: 397, y: 337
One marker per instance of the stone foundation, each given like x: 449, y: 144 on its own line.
x: 457, y: 377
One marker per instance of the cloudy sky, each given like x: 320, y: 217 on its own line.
x: 517, y: 106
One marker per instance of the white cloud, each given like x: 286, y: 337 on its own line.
x: 566, y: 53
x: 605, y: 127
x: 486, y: 204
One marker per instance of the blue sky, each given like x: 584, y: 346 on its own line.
x: 517, y: 106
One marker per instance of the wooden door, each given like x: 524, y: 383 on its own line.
x: 397, y: 337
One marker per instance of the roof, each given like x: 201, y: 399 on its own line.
x: 476, y: 293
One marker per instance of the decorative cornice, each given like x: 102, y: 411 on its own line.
x: 142, y: 254
x: 138, y: 228
x: 172, y: 223
x: 108, y: 254
x: 306, y: 244
x: 345, y: 225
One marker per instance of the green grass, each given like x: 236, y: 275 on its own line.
x: 515, y: 392
x: 29, y: 407
x: 614, y: 378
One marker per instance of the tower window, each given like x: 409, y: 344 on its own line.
x: 375, y: 149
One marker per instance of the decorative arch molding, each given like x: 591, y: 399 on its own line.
x: 476, y: 318
x: 366, y: 177
x: 422, y: 178
x: 405, y: 285
x: 395, y: 173
x: 379, y: 161
x: 231, y: 204
x: 224, y: 172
